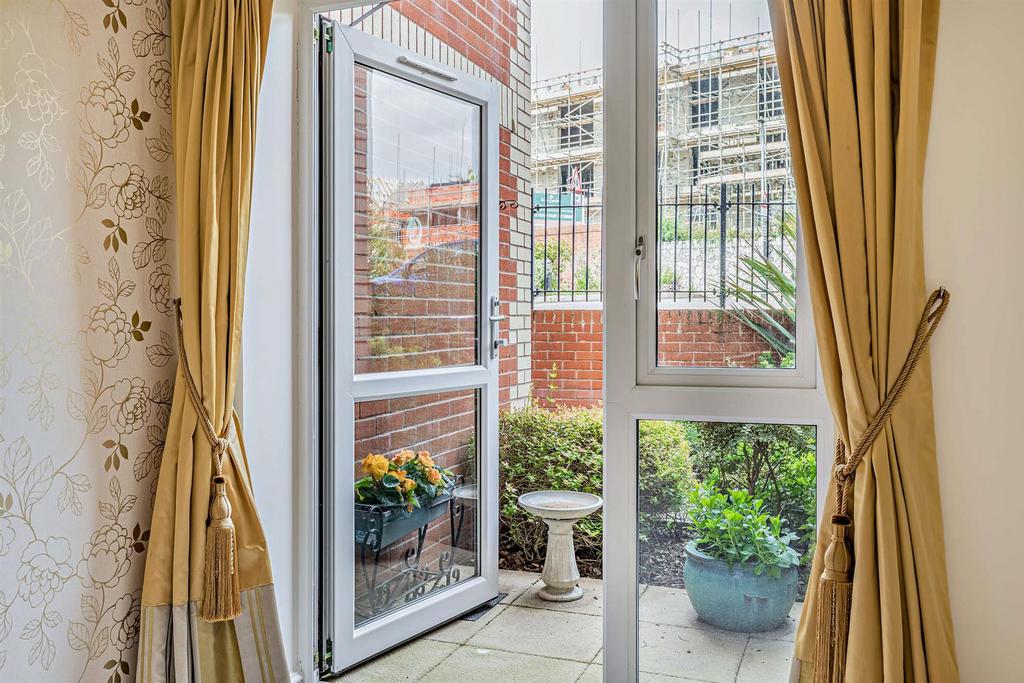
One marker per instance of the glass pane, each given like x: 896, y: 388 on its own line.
x: 727, y: 517
x: 566, y: 158
x: 417, y: 225
x: 416, y: 517
x: 726, y: 207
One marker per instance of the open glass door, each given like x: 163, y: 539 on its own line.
x: 409, y: 373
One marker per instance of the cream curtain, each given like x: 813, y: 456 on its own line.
x: 857, y: 81
x: 217, y: 55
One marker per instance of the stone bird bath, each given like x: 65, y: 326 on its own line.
x: 560, y: 510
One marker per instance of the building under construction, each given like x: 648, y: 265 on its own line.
x: 720, y: 121
x: 723, y: 172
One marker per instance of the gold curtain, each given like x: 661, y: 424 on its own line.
x: 218, y: 51
x: 857, y: 82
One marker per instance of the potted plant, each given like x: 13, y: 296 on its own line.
x: 400, y: 494
x: 740, y: 572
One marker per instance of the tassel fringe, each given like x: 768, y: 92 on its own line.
x: 221, y: 595
x: 835, y: 596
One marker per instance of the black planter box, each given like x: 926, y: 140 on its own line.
x: 391, y: 523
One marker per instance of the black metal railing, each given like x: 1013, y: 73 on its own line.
x: 707, y: 238
x: 566, y: 245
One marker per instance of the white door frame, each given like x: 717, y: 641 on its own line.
x: 633, y: 390
x: 351, y: 645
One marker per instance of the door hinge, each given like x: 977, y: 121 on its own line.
x: 328, y: 655
x: 329, y: 38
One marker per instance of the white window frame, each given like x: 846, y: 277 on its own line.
x: 645, y: 134
x: 634, y: 388
x: 350, y: 644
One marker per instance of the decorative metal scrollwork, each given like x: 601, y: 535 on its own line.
x: 413, y: 580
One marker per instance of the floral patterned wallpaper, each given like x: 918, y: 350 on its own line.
x: 86, y: 345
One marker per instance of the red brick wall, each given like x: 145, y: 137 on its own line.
x: 568, y: 349
x: 567, y: 356
x: 484, y: 31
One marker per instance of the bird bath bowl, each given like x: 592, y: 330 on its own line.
x: 560, y: 510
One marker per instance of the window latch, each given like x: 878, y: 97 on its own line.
x: 638, y: 255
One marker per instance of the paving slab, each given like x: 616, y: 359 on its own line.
x: 515, y: 584
x: 528, y: 639
x: 460, y: 630
x: 408, y: 663
x: 482, y: 665
x: 591, y: 603
x: 765, y: 659
x: 690, y: 652
x: 563, y: 635
x: 662, y: 605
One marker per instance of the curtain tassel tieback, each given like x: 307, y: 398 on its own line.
x: 222, y: 599
x: 835, y: 587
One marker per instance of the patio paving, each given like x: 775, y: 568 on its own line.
x: 526, y: 639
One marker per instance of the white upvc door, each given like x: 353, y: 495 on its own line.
x: 409, y: 337
x: 636, y: 388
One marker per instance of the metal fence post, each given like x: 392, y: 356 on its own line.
x: 722, y: 222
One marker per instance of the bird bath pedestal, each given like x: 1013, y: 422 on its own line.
x: 560, y: 510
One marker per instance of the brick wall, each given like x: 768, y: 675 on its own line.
x: 568, y: 349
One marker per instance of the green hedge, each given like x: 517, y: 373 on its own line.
x: 562, y: 449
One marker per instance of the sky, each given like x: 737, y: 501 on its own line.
x: 566, y: 34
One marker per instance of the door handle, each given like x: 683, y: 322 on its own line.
x: 495, y: 319
x: 638, y: 255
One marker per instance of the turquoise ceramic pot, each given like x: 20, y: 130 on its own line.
x: 734, y: 598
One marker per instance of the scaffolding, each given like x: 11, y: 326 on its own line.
x: 720, y: 121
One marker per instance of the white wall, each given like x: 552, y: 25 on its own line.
x: 268, y: 389
x: 974, y: 200
x: 974, y: 245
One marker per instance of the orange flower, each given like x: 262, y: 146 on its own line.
x: 375, y: 465
x: 402, y: 457
x: 433, y: 476
x: 408, y: 484
x: 425, y: 459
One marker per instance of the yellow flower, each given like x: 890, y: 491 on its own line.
x: 402, y: 457
x: 425, y: 459
x: 375, y: 465
x: 408, y: 484
x: 433, y: 476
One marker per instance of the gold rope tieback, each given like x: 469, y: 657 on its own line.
x: 835, y: 587
x: 222, y: 599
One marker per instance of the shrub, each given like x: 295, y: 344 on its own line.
x: 664, y: 477
x: 562, y: 449
x: 552, y: 265
x: 541, y: 449
x: 772, y: 462
x: 766, y: 292
x: 732, y: 528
